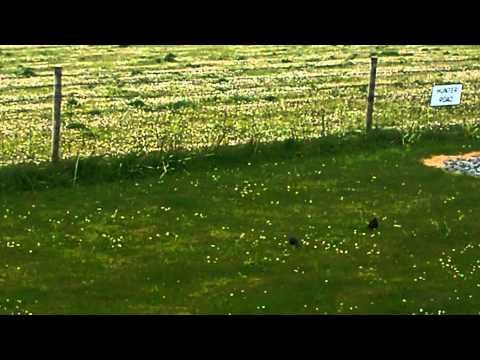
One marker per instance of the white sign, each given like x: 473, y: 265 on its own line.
x: 444, y: 95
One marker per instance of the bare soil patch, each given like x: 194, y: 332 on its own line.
x: 438, y: 160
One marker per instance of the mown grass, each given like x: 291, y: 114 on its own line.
x: 152, y: 212
x: 131, y: 95
x: 210, y: 237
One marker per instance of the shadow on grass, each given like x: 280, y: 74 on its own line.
x: 101, y: 169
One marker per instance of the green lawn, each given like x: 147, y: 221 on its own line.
x: 212, y: 239
x: 265, y: 143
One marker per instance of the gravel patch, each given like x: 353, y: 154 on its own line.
x: 470, y: 166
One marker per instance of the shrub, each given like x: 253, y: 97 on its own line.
x: 76, y: 126
x: 170, y: 57
x: 242, y: 98
x: 270, y: 98
x: 180, y: 104
x: 72, y: 102
x: 136, y: 72
x: 138, y: 103
x: 94, y: 112
x: 24, y: 71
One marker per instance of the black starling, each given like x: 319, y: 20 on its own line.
x: 373, y: 224
x: 292, y: 240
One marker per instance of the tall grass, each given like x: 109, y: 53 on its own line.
x: 135, y: 165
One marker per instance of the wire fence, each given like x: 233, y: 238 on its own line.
x: 320, y: 103
x: 143, y: 81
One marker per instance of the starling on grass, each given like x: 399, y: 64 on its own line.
x: 292, y: 240
x: 373, y: 224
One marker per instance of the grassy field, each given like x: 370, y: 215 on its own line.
x: 216, y: 154
x: 119, y: 100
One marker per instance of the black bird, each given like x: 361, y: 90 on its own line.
x: 373, y: 224
x: 292, y: 240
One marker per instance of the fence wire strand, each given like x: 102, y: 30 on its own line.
x: 317, y: 87
x: 37, y: 100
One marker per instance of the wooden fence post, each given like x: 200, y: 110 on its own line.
x: 56, y: 122
x: 371, y: 93
x: 324, y: 132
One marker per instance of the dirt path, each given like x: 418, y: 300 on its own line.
x: 437, y: 160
